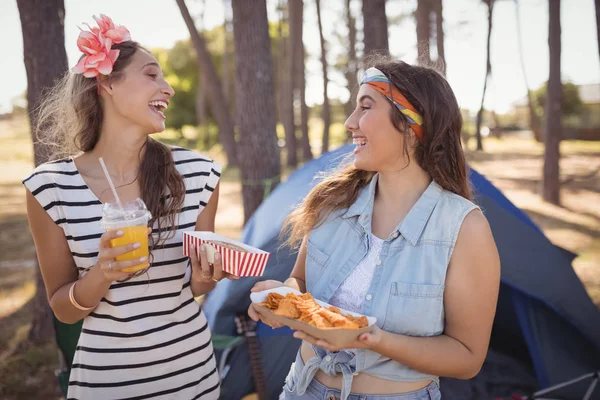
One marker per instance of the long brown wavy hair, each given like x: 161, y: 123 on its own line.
x: 70, y: 120
x: 439, y: 153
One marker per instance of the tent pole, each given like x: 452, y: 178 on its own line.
x: 590, y: 390
x: 537, y: 395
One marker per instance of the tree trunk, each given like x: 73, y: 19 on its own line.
x: 352, y: 67
x: 534, y: 123
x: 439, y: 31
x: 296, y: 9
x: 553, y: 125
x: 497, y: 130
x: 260, y: 165
x: 201, y: 96
x: 227, y: 73
x: 375, y: 27
x: 305, y: 139
x: 488, y: 72
x: 422, y: 16
x: 42, y: 23
x: 326, y: 109
x: 597, y: 4
x: 286, y: 91
x: 217, y: 99
x: 201, y: 112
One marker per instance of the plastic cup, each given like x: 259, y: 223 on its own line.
x: 132, y: 219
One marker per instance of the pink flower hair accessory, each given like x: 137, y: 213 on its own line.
x: 96, y: 46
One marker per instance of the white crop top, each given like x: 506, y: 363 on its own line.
x: 351, y: 293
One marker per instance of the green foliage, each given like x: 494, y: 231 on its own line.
x: 181, y: 70
x: 183, y: 74
x: 571, y: 102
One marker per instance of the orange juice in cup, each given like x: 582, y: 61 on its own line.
x: 132, y: 218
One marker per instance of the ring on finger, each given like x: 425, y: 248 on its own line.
x: 110, y: 266
x: 207, y: 277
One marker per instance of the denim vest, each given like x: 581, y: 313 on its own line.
x: 407, y: 289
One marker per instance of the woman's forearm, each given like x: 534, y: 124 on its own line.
x: 88, y: 292
x: 437, y: 355
x: 296, y: 283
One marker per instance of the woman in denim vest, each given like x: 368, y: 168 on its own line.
x: 394, y: 235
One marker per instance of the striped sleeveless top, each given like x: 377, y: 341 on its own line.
x: 148, y: 338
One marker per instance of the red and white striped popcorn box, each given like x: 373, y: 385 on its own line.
x: 252, y: 262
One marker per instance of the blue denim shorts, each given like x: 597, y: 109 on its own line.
x: 318, y: 391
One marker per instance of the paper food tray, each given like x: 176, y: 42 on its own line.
x: 249, y: 263
x: 335, y: 336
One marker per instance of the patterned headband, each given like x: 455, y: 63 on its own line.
x: 378, y: 81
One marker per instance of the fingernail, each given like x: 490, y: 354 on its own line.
x: 136, y: 245
x: 202, y: 249
x: 217, y: 256
x: 143, y: 258
x: 119, y: 233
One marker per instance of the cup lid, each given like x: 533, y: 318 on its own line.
x: 132, y: 210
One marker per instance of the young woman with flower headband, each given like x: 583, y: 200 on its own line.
x: 394, y: 235
x: 143, y: 335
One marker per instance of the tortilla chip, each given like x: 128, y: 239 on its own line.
x: 305, y: 309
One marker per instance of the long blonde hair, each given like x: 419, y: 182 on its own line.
x: 335, y: 191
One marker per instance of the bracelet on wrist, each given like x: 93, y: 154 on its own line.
x: 74, y: 302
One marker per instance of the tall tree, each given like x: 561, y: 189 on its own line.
x: 439, y: 36
x: 305, y: 139
x: 296, y: 17
x: 260, y: 164
x: 428, y: 11
x: 42, y: 23
x: 326, y: 107
x: 423, y: 17
x: 534, y: 123
x: 201, y: 111
x: 488, y: 72
x: 286, y: 89
x: 227, y: 29
x: 597, y: 3
x: 553, y: 110
x: 201, y: 95
x: 375, y: 27
x: 217, y: 99
x: 352, y: 67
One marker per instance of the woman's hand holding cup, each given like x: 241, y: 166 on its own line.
x: 107, y: 255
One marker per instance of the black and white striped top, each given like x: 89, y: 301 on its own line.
x: 148, y: 338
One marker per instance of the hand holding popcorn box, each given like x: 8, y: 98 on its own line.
x: 237, y: 258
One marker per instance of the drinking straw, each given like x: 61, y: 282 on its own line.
x: 112, y: 186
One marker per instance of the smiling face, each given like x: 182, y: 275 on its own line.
x: 140, y: 94
x: 379, y: 143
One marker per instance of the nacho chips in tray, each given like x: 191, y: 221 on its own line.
x: 304, y: 308
x: 301, y: 312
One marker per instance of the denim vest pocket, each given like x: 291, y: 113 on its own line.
x: 414, y: 309
x: 316, y: 262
